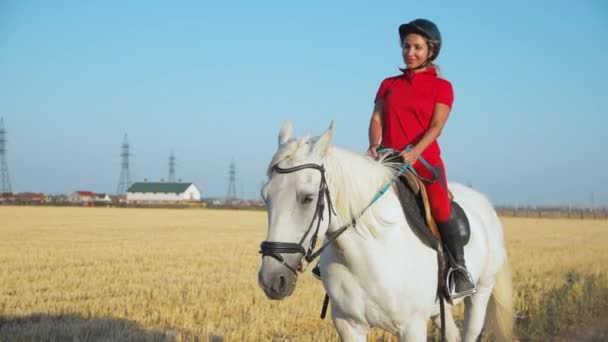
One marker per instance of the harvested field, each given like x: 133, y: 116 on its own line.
x: 191, y: 274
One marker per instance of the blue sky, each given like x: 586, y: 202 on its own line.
x: 214, y: 81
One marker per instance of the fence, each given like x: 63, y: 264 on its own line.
x: 554, y: 212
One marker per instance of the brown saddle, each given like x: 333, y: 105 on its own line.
x: 415, y: 204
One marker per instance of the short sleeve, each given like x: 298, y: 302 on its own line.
x: 445, y: 93
x: 382, y: 91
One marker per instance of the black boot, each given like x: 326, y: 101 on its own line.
x: 455, y: 234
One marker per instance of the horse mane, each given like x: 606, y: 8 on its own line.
x: 354, y: 180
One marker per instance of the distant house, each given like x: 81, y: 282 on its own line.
x: 29, y: 198
x: 102, y: 199
x: 142, y: 192
x: 81, y: 197
x: 89, y: 198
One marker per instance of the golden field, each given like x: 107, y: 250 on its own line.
x: 108, y: 274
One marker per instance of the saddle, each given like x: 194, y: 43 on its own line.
x: 415, y: 204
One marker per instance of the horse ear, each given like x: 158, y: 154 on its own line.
x: 324, y: 141
x: 285, y: 132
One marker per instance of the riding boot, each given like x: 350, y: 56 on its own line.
x: 455, y: 234
x: 316, y: 271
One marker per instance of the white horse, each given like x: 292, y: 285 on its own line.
x: 377, y: 273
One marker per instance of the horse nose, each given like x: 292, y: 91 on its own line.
x: 278, y: 285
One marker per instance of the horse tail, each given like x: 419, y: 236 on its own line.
x: 500, y: 317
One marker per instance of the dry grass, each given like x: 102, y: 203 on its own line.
x: 164, y: 275
x: 549, y: 248
x: 560, y: 277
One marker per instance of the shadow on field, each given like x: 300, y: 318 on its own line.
x: 73, y: 327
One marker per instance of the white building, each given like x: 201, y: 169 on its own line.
x: 142, y: 192
x: 81, y: 197
x: 102, y: 199
x: 89, y: 198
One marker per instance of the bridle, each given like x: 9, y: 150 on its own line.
x: 275, y: 249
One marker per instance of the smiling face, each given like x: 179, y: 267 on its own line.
x: 415, y: 50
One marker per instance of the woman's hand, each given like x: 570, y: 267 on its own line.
x: 411, y: 156
x: 372, y: 151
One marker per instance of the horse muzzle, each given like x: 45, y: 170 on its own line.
x: 276, y: 280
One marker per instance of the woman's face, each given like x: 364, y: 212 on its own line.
x: 415, y: 50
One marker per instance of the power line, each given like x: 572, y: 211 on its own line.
x: 124, y: 181
x: 231, y: 194
x: 6, y: 181
x: 171, y: 177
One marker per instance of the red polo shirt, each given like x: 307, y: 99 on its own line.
x: 409, y: 101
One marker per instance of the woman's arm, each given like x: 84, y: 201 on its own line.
x: 440, y: 117
x: 375, y: 128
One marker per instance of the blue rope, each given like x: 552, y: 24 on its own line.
x: 402, y: 169
x: 411, y: 168
x: 404, y: 166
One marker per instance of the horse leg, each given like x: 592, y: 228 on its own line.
x: 349, y: 331
x: 414, y: 331
x: 451, y: 330
x: 475, y: 308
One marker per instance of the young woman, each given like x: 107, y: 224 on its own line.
x: 411, y: 109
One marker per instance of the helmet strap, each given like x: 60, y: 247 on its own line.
x: 421, y: 66
x: 426, y: 63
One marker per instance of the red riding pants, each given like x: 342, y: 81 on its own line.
x: 437, y: 191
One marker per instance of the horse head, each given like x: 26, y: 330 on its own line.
x: 298, y: 205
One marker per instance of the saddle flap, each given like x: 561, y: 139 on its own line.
x: 413, y: 208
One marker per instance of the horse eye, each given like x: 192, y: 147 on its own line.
x: 308, y: 199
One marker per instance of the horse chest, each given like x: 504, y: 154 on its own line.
x: 380, y: 300
x: 374, y: 308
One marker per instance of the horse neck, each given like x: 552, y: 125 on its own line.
x: 354, y: 180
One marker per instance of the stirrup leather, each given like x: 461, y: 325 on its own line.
x: 451, y: 283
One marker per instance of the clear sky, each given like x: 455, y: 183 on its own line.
x: 214, y: 81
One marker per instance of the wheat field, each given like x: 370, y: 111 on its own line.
x: 115, y: 274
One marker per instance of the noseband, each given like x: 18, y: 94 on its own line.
x: 275, y: 249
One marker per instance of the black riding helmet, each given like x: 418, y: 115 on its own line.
x: 427, y: 29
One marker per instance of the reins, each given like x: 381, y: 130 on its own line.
x: 273, y: 249
x: 405, y: 166
x: 331, y: 237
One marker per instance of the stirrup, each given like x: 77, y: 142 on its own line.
x: 316, y: 272
x: 451, y: 283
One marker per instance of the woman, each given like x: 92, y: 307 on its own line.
x: 411, y: 109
